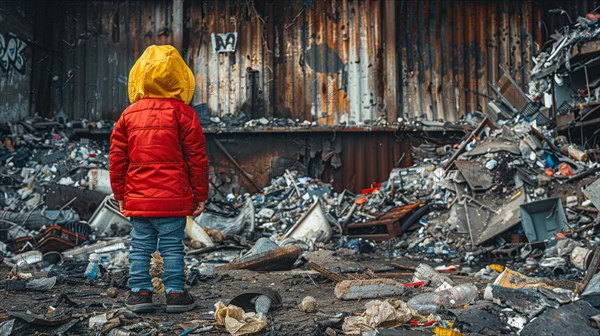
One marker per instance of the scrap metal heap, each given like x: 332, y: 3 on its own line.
x: 498, y: 232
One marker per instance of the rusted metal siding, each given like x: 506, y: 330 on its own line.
x: 451, y: 50
x: 307, y: 60
x: 330, y: 61
x: 15, y: 59
x: 366, y: 157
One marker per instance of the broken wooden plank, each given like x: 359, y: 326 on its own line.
x: 335, y: 277
x: 485, y: 122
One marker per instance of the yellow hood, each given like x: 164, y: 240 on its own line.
x: 161, y: 73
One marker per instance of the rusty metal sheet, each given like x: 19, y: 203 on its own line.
x: 592, y: 191
x: 366, y: 157
x: 506, y: 218
x: 329, y: 61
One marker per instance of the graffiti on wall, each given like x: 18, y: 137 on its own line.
x: 11, y: 53
x: 224, y: 42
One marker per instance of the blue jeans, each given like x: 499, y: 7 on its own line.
x: 167, y: 233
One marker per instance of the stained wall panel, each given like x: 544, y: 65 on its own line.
x: 330, y: 61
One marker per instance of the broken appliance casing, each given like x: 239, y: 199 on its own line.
x: 312, y: 226
x: 389, y: 225
x: 108, y: 221
x: 543, y: 219
x: 57, y: 238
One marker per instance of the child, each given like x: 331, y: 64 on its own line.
x: 159, y: 172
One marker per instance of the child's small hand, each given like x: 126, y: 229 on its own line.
x: 121, y: 206
x: 199, y: 209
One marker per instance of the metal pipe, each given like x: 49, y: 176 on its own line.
x: 52, y: 258
x: 559, y: 270
x: 235, y: 163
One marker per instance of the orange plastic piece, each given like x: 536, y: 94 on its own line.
x: 440, y: 331
x: 564, y: 169
x: 497, y: 267
x: 362, y: 200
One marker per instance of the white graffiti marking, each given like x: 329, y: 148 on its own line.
x: 11, y: 53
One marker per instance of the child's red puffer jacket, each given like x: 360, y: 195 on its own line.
x: 158, y: 162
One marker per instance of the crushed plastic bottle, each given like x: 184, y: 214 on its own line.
x: 436, y: 302
x: 104, y: 260
x: 426, y: 303
x: 460, y: 295
x: 426, y: 272
x: 577, y: 153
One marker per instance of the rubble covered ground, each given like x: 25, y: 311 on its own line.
x: 494, y: 234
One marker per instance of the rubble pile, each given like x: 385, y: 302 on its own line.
x: 562, y: 59
x: 241, y: 121
x: 499, y: 198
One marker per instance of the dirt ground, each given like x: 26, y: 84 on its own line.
x: 293, y: 286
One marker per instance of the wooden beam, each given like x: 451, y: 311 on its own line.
x: 178, y: 24
x: 391, y: 64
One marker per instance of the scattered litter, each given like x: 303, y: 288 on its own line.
x: 378, y: 313
x: 236, y: 321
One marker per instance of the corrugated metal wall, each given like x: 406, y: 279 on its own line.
x: 298, y: 59
x: 451, y: 50
x: 325, y: 60
x: 366, y: 157
x: 15, y: 59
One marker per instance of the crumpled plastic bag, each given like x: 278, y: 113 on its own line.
x: 41, y: 284
x: 14, y: 275
x: 379, y: 313
x: 242, y: 224
x: 236, y: 321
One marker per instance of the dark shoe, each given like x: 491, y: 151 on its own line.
x: 140, y: 302
x: 180, y: 302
